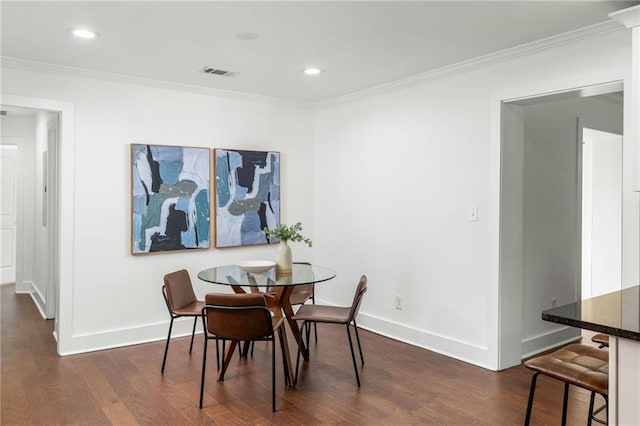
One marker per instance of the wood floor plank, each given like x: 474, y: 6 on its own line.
x: 401, y: 384
x: 119, y: 414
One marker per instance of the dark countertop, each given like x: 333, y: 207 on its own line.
x: 615, y: 314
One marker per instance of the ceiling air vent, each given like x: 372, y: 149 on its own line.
x: 215, y: 71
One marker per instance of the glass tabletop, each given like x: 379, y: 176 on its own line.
x: 234, y: 275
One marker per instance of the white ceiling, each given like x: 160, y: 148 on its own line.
x: 359, y: 44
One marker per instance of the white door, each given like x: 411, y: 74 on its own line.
x: 601, y: 213
x: 8, y: 210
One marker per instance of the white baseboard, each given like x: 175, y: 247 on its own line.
x: 24, y: 287
x: 463, y: 351
x: 543, y: 342
x: 29, y: 287
x: 182, y: 327
x: 38, y: 300
x: 109, y: 339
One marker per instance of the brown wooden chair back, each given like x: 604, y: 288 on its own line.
x: 302, y: 293
x: 357, y: 298
x: 179, y: 290
x: 238, y: 316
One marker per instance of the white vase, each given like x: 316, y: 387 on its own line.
x: 283, y: 258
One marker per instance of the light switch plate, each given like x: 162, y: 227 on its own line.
x: 473, y: 214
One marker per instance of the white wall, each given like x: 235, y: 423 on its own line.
x: 23, y: 126
x: 395, y: 176
x: 115, y: 297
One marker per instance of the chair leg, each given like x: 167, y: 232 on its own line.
x: 532, y: 391
x: 193, y: 333
x: 273, y: 373
x: 285, y: 370
x: 204, y: 366
x: 565, y: 400
x: 605, y: 408
x: 355, y: 326
x: 217, y: 352
x: 353, y: 356
x: 313, y: 302
x: 591, y: 401
x: 302, y: 327
x: 166, y: 347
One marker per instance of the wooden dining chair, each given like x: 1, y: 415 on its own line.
x: 181, y: 302
x: 236, y: 318
x: 334, y: 315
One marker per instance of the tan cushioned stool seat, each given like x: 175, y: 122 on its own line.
x: 601, y: 339
x: 577, y: 364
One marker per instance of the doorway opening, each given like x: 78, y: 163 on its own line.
x: 29, y: 204
x: 541, y: 210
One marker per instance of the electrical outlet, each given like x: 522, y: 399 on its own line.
x: 399, y: 302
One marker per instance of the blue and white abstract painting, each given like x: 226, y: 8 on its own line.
x: 247, y: 196
x: 170, y: 198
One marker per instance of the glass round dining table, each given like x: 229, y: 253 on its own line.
x: 234, y: 275
x: 280, y: 287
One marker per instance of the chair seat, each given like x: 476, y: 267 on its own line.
x: 601, y: 339
x: 322, y: 313
x: 193, y: 310
x: 576, y: 364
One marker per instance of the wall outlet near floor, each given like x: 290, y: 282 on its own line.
x: 399, y: 302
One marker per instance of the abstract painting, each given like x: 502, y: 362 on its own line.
x: 170, y: 198
x: 247, y: 196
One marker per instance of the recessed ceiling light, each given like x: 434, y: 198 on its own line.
x: 312, y: 71
x: 84, y: 33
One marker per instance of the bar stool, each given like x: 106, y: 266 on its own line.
x: 601, y: 339
x: 576, y: 364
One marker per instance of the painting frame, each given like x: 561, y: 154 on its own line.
x: 246, y: 197
x: 170, y: 198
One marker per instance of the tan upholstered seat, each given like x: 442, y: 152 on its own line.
x: 334, y: 315
x: 575, y: 364
x: 601, y: 339
x: 181, y: 302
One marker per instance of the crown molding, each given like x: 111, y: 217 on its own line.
x: 438, y: 73
x: 629, y: 17
x: 491, y: 58
x: 24, y: 64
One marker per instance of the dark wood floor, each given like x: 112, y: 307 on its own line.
x: 401, y: 384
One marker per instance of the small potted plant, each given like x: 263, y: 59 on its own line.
x: 284, y: 234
